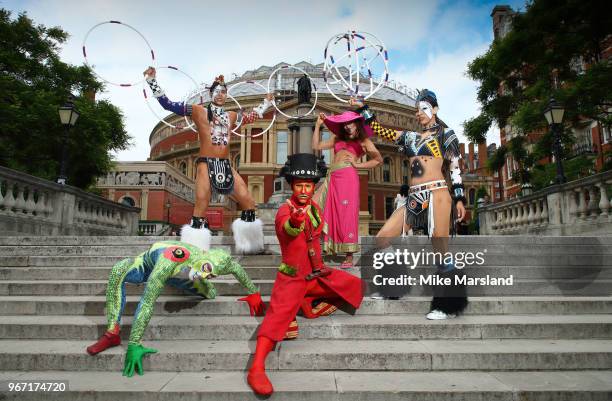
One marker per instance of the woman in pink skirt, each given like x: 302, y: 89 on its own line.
x: 339, y: 194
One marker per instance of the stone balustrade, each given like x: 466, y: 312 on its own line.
x: 31, y: 205
x: 153, y: 228
x: 574, y: 208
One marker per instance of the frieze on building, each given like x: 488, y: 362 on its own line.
x: 137, y: 175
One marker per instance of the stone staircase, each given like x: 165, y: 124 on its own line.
x: 547, y: 337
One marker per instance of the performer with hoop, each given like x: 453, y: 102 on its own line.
x: 432, y: 154
x: 214, y: 172
x: 339, y: 194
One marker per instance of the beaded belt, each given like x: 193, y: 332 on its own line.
x: 427, y: 186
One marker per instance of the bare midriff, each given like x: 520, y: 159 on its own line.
x: 207, y: 149
x: 432, y: 169
x: 342, y: 154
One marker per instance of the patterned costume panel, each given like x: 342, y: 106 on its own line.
x: 219, y: 174
x: 169, y: 262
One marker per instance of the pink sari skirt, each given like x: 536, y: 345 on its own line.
x: 340, y: 202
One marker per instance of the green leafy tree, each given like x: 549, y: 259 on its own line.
x: 34, y: 82
x: 539, y: 59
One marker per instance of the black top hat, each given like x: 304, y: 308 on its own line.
x: 305, y: 166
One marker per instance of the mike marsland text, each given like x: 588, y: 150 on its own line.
x: 434, y: 279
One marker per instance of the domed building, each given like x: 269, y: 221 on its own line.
x: 258, y: 159
x: 163, y: 186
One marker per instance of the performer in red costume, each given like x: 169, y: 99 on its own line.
x: 303, y: 281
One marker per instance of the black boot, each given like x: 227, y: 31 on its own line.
x: 199, y: 222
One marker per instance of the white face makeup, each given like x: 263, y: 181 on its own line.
x: 426, y: 108
x: 217, y: 91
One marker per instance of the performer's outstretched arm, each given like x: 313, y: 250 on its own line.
x: 235, y: 269
x: 182, y: 109
x: 259, y: 111
x: 144, y: 311
x: 135, y: 351
x: 387, y: 134
x: 256, y: 305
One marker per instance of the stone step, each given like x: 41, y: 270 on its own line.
x: 98, y: 287
x: 337, y: 385
x: 269, y: 272
x: 136, y: 240
x: 134, y: 249
x: 102, y: 261
x: 500, y: 259
x: 185, y: 305
x: 320, y: 355
x: 340, y: 326
x: 568, y: 287
x: 530, y: 240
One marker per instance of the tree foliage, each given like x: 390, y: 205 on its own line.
x: 34, y: 82
x: 539, y: 59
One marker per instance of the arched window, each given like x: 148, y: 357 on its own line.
x: 472, y: 196
x: 128, y: 201
x: 281, y: 147
x: 405, y: 172
x: 237, y: 162
x: 183, y: 168
x: 387, y: 169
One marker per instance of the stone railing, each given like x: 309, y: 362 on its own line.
x: 153, y: 228
x: 31, y: 205
x: 574, y: 208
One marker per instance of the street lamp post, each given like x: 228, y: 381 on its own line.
x: 168, y: 206
x: 554, y: 115
x: 68, y: 116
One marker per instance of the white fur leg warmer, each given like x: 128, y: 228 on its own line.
x: 199, y: 237
x: 248, y: 236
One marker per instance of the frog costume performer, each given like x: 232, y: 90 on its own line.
x: 175, y: 263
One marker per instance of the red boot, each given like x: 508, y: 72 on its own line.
x: 257, y: 378
x: 259, y: 382
x: 108, y: 340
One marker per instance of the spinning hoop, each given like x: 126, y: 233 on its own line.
x: 309, y: 79
x: 94, y: 71
x: 331, y: 65
x: 238, y: 124
x: 189, y: 125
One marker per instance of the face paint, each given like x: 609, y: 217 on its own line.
x: 302, y: 191
x: 217, y: 91
x: 426, y: 108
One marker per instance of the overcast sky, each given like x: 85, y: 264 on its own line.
x: 430, y: 44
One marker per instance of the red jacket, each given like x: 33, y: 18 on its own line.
x: 290, y: 285
x: 293, y: 243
